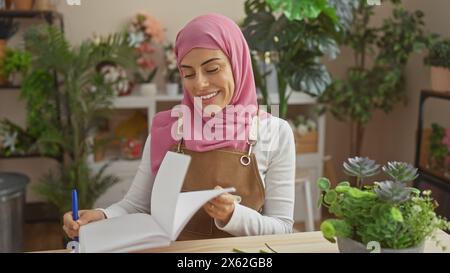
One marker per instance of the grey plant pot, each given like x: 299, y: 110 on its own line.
x: 347, y: 245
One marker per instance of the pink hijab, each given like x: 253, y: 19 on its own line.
x: 211, y: 31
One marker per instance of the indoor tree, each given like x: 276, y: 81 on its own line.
x: 376, y: 80
x: 293, y: 36
x: 66, y: 97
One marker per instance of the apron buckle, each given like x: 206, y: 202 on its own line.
x: 245, y: 159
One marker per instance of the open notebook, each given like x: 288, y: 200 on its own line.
x: 170, y: 212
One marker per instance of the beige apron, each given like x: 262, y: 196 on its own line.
x: 226, y: 168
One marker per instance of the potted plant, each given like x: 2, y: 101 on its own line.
x: 172, y: 73
x: 63, y: 118
x: 288, y: 38
x: 15, y: 65
x: 144, y: 34
x: 7, y: 29
x: 439, y: 60
x: 23, y: 4
x: 439, y: 148
x: 387, y: 214
x: 305, y: 134
x: 377, y: 84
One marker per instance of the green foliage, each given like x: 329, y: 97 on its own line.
x: 57, y: 186
x: 381, y: 84
x: 15, y: 61
x: 438, y: 150
x: 393, y: 192
x: 63, y: 117
x: 439, y: 54
x: 388, y: 212
x: 16, y: 140
x: 400, y: 171
x: 293, y: 42
x: 302, y: 9
x: 360, y: 167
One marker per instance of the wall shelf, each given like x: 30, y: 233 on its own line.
x: 428, y: 178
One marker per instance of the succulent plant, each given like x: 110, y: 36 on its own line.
x: 393, y: 192
x: 400, y: 171
x: 361, y: 167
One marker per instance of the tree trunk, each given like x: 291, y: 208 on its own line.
x: 357, y: 131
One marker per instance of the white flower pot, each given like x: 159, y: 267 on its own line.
x: 148, y: 89
x: 172, y: 89
x: 347, y: 245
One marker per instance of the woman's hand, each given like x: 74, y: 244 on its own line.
x: 221, y: 207
x: 72, y: 227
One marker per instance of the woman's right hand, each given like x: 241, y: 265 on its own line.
x: 72, y: 227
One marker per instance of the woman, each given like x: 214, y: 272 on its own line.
x: 254, y: 152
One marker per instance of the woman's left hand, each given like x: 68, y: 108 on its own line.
x: 221, y: 207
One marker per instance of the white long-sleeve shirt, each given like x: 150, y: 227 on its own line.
x: 275, y: 155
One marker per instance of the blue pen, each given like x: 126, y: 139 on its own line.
x: 75, y: 207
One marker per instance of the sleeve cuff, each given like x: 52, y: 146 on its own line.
x: 235, y: 220
x: 104, y: 212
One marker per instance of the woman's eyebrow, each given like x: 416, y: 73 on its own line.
x: 205, y: 62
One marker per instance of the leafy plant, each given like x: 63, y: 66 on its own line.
x: 389, y: 212
x: 380, y: 85
x: 293, y: 42
x: 360, y: 167
x: 15, y: 139
x: 15, y: 60
x: 64, y: 116
x: 438, y: 149
x: 439, y: 54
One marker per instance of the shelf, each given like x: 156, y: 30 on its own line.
x: 435, y: 94
x: 6, y: 87
x: 131, y: 101
x: 28, y: 13
x: 297, y: 98
x: 29, y: 156
x: 437, y: 178
x: 118, y: 166
x: 138, y: 101
x: 48, y: 15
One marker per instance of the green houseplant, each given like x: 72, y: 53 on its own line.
x: 439, y: 59
x: 7, y: 29
x: 293, y: 36
x: 438, y: 149
x: 376, y: 80
x: 389, y: 213
x: 66, y: 97
x: 15, y: 64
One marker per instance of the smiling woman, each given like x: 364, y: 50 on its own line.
x: 207, y: 74
x: 214, y: 61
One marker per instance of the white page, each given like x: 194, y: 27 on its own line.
x: 189, y: 203
x: 167, y: 187
x: 125, y: 233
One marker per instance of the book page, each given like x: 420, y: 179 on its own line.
x: 189, y: 203
x: 126, y: 233
x: 167, y: 187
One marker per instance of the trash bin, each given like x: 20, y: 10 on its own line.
x: 12, y: 202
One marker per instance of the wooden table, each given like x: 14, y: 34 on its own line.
x: 311, y: 242
x: 303, y: 242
